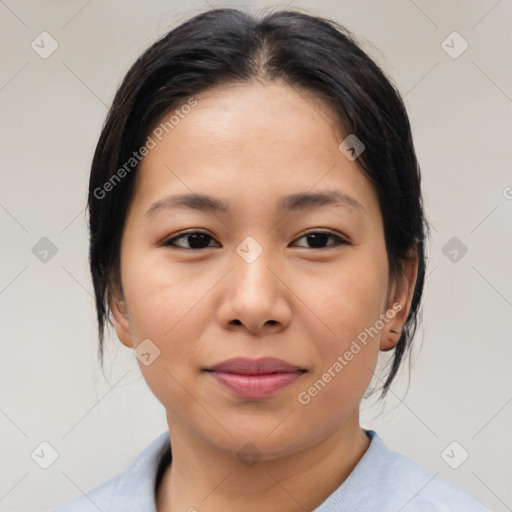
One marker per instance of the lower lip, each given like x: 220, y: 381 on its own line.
x: 255, y: 386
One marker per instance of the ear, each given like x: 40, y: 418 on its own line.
x: 399, y: 300
x: 119, y: 316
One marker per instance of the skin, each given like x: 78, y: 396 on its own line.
x: 249, y: 145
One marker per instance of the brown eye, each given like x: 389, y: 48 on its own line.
x: 195, y: 240
x: 318, y: 239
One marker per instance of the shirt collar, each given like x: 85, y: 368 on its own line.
x: 136, y: 488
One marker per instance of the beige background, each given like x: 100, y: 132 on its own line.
x: 51, y: 386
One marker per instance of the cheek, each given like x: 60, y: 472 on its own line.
x: 160, y: 294
x: 168, y: 308
x: 348, y: 304
x: 349, y: 298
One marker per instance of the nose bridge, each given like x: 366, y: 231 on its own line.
x: 251, y: 264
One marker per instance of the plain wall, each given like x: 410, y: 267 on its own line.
x: 51, y: 385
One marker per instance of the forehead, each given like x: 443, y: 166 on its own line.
x: 249, y: 117
x: 253, y: 141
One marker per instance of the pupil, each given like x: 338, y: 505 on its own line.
x: 318, y: 237
x: 196, y: 240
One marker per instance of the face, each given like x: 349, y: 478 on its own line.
x: 262, y: 277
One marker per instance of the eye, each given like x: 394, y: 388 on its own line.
x: 196, y: 239
x: 319, y: 238
x: 200, y: 240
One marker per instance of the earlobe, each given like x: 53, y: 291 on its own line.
x: 400, y: 300
x: 120, y: 319
x: 389, y: 339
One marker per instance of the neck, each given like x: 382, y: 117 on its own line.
x: 201, y: 477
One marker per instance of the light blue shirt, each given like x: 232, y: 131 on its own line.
x: 382, y: 481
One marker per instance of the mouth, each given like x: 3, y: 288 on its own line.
x: 255, y: 378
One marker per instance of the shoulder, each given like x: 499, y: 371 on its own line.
x: 131, y: 490
x: 415, y: 488
x: 387, y: 481
x: 423, y: 490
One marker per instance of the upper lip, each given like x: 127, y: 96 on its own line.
x: 262, y: 366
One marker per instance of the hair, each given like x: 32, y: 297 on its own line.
x: 223, y: 47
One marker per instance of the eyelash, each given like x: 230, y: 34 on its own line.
x: 340, y: 241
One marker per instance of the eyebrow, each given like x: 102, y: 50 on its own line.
x: 289, y: 203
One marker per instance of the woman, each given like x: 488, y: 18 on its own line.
x: 233, y: 147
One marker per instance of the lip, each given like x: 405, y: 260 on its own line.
x: 255, y: 378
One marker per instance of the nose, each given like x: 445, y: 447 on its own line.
x: 255, y: 296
